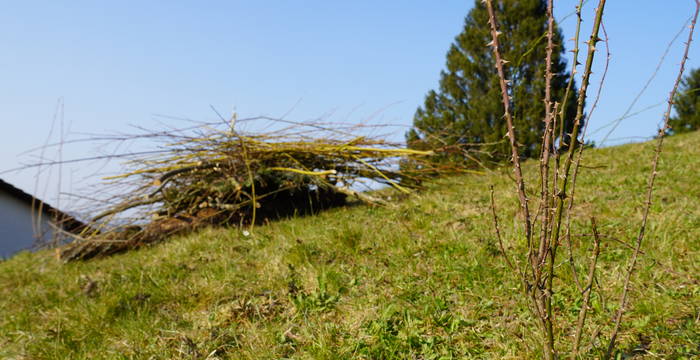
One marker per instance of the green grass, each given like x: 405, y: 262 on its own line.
x: 423, y: 280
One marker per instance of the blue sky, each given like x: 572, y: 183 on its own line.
x: 117, y: 64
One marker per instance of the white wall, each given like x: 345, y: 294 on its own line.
x: 16, y: 231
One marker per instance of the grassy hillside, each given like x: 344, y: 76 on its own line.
x: 423, y: 280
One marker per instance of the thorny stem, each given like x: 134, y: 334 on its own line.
x: 550, y: 113
x: 564, y: 105
x: 577, y: 165
x: 615, y: 123
x: 562, y: 113
x: 570, y: 85
x: 561, y: 195
x: 650, y: 186
x: 515, y: 157
x: 520, y: 182
x: 587, y: 290
x: 498, y: 234
x: 545, y: 206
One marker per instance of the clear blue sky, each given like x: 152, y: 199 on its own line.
x: 119, y: 63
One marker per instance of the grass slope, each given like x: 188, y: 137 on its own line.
x: 423, y: 280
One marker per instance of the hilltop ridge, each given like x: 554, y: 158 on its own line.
x: 420, y: 280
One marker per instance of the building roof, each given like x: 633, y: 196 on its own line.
x: 67, y: 222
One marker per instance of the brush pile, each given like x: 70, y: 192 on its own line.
x: 210, y: 176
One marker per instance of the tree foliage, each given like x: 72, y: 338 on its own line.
x: 466, y: 112
x: 687, y: 104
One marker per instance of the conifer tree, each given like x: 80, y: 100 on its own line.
x: 467, y: 111
x: 687, y: 105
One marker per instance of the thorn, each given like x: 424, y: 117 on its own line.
x: 504, y: 61
x: 490, y: 43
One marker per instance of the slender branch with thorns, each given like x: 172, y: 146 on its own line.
x: 650, y: 186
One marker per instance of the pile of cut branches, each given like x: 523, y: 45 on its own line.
x: 225, y: 177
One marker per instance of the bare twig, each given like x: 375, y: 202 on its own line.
x: 515, y: 157
x: 541, y: 293
x: 570, y: 85
x: 650, y: 186
x: 562, y: 193
x: 579, y: 156
x: 498, y: 233
x: 550, y: 113
x: 587, y: 290
x: 615, y: 123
